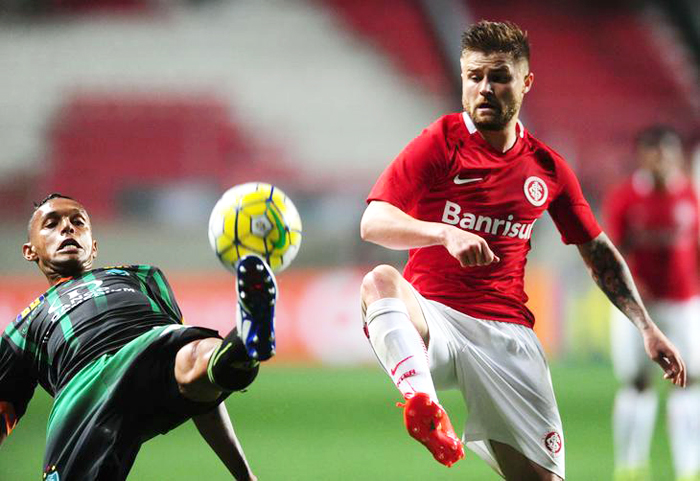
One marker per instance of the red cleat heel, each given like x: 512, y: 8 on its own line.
x: 429, y: 424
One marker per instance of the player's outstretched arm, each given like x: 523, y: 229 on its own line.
x: 17, y: 385
x: 216, y: 428
x: 610, y: 272
x: 390, y: 227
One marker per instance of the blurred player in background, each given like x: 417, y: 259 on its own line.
x: 653, y: 217
x: 109, y: 345
x: 463, y: 197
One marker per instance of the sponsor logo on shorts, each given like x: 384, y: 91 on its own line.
x: 535, y: 190
x: 553, y: 442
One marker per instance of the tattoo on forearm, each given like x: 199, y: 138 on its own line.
x: 612, y: 275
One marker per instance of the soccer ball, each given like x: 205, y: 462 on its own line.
x: 255, y: 218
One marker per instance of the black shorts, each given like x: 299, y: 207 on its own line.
x: 102, y: 416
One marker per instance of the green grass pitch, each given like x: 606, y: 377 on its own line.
x: 301, y: 423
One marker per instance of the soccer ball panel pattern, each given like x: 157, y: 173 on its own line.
x: 255, y: 218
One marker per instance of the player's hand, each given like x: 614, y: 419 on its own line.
x: 469, y: 249
x: 665, y: 354
x: 8, y: 420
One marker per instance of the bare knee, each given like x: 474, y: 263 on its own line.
x: 191, y: 364
x: 382, y: 281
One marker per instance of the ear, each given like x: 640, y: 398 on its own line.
x: 94, y: 250
x: 529, y: 79
x: 29, y: 253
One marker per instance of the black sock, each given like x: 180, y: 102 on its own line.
x: 230, y: 368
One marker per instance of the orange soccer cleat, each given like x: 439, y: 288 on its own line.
x: 428, y: 423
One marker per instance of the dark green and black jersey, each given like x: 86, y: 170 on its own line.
x: 75, y: 322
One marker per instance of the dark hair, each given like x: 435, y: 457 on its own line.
x: 656, y: 135
x: 54, y: 195
x: 503, y: 37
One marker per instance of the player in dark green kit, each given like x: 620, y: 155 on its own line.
x: 110, y: 346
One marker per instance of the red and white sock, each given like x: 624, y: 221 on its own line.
x: 398, y: 346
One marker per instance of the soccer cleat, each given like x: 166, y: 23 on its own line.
x: 257, y: 295
x: 428, y: 423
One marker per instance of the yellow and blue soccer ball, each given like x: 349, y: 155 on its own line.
x: 255, y: 218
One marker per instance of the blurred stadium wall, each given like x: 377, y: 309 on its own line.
x: 147, y: 110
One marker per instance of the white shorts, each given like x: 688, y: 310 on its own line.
x: 503, y: 375
x: 679, y: 320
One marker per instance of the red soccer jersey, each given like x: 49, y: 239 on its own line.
x: 658, y: 232
x: 450, y: 174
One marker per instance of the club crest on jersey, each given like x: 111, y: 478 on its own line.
x: 535, y: 190
x: 553, y: 442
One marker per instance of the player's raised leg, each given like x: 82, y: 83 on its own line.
x: 207, y: 367
x: 257, y: 295
x: 398, y: 333
x: 397, y: 330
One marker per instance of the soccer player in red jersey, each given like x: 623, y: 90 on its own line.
x: 462, y: 198
x: 653, y: 217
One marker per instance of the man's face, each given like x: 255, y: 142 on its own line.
x: 493, y: 87
x: 664, y: 159
x: 60, y: 239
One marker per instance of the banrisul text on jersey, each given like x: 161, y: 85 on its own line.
x: 483, y: 223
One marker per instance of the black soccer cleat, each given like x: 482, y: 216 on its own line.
x: 257, y: 295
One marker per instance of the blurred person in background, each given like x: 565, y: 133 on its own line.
x: 110, y: 346
x: 462, y: 198
x: 653, y: 218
